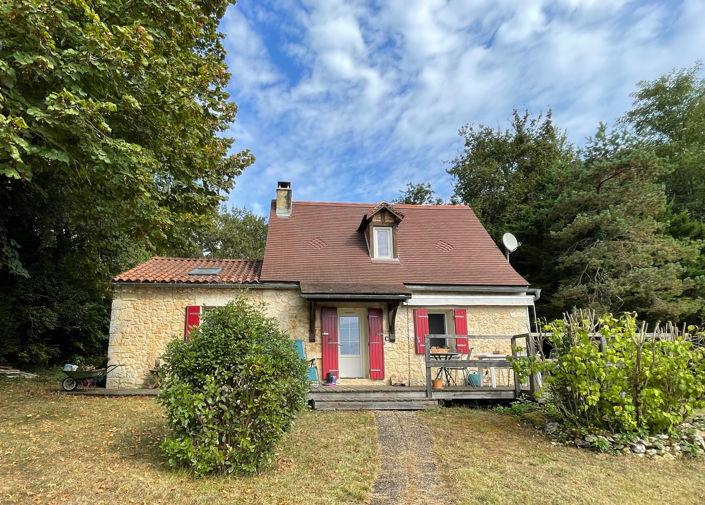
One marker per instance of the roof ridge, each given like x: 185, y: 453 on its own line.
x: 177, y: 258
x: 402, y: 205
x: 424, y: 206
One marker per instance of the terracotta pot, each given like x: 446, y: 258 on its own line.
x: 437, y: 384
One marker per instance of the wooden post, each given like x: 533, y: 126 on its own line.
x: 517, y: 386
x: 392, y: 316
x: 531, y: 351
x: 311, y: 321
x: 427, y: 353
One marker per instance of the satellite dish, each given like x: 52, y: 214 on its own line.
x: 510, y: 242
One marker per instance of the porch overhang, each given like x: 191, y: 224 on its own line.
x: 393, y: 294
x: 354, y: 291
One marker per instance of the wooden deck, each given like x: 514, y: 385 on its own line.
x: 398, y: 397
x: 357, y: 397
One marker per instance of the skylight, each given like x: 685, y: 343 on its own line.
x: 205, y: 271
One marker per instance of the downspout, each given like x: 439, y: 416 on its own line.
x: 536, y: 293
x: 408, y: 342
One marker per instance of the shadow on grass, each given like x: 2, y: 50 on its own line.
x: 140, y: 441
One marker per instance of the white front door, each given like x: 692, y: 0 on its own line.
x: 350, y: 355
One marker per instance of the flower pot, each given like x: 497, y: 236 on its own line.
x: 437, y: 384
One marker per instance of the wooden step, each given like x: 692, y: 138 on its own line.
x: 366, y: 395
x: 375, y: 404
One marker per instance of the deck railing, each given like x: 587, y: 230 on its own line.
x: 462, y: 364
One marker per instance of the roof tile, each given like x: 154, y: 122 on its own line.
x: 438, y: 244
x: 176, y: 270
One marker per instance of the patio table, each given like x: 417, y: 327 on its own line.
x: 481, y: 370
x: 443, y: 371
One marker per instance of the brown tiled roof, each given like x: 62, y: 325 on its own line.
x: 438, y: 244
x: 176, y: 270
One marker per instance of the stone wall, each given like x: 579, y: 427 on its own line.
x: 145, y: 318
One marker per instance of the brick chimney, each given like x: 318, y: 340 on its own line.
x: 283, y: 199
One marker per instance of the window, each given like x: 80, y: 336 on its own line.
x: 437, y: 326
x: 383, y: 243
x: 205, y: 271
x: 349, y: 335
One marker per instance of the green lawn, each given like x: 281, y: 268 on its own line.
x: 487, y: 458
x: 56, y: 448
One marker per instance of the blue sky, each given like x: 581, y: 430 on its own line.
x: 351, y: 100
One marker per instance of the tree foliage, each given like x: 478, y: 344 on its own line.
x: 231, y: 391
x: 669, y: 114
x: 234, y: 233
x: 510, y: 179
x: 506, y: 176
x: 111, y: 115
x: 611, y: 226
x: 610, y: 230
x: 418, y: 194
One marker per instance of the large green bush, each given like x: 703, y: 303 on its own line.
x: 231, y: 391
x: 610, y: 373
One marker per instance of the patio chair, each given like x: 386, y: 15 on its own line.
x: 463, y: 368
x: 312, y: 370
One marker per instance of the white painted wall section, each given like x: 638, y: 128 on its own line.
x: 437, y: 300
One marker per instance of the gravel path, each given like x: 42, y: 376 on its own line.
x: 408, y: 471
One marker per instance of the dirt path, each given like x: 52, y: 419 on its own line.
x: 408, y: 471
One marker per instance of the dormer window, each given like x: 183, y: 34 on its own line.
x: 380, y: 228
x: 383, y: 245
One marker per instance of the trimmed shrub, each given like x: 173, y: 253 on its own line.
x: 231, y: 391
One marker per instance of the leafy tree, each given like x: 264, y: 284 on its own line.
x: 507, y: 176
x: 615, y: 253
x: 510, y: 179
x: 111, y: 114
x: 231, y: 391
x: 237, y: 233
x: 669, y: 114
x: 418, y: 194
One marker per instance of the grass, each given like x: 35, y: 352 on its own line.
x: 488, y: 458
x: 61, y: 449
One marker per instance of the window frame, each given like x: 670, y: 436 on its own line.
x: 390, y: 242
x: 447, y: 322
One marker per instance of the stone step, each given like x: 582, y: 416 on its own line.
x: 375, y: 404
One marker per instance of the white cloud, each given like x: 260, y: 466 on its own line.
x: 350, y: 100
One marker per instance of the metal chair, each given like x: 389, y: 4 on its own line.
x: 463, y: 368
x: 312, y: 372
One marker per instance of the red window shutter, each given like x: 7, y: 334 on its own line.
x: 376, y: 343
x: 461, y: 328
x: 329, y: 340
x: 193, y: 318
x: 420, y: 329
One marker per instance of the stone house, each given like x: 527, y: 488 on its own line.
x: 361, y: 284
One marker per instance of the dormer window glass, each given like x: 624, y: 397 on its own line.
x: 383, y: 242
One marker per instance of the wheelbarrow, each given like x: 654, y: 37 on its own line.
x: 70, y: 382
